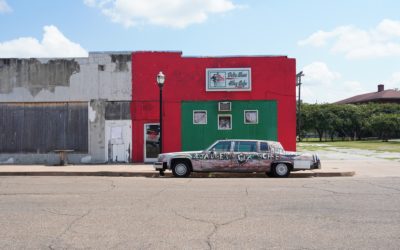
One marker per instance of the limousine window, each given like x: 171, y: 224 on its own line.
x: 263, y: 147
x: 245, y: 146
x: 222, y: 146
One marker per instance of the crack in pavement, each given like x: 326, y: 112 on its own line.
x: 382, y: 186
x: 147, y: 201
x: 308, y: 186
x: 112, y: 186
x: 326, y: 182
x: 109, y: 189
x: 69, y: 226
x: 216, y: 226
x: 10, y: 194
x: 119, y: 244
x: 59, y: 213
x: 158, y: 193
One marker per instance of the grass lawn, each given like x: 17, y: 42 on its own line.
x: 377, y: 145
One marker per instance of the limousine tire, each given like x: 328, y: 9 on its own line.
x: 181, y: 169
x: 281, y: 170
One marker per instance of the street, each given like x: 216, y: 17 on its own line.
x: 199, y: 213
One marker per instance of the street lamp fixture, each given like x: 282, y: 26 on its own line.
x: 298, y: 83
x: 160, y: 83
x: 160, y: 79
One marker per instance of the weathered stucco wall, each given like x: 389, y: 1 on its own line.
x: 96, y: 132
x: 100, y: 76
x: 97, y: 79
x: 34, y: 75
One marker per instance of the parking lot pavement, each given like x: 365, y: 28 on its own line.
x: 363, y: 168
x: 365, y: 163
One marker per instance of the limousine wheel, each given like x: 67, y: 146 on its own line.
x: 281, y: 170
x: 181, y: 169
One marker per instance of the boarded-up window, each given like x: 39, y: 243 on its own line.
x: 118, y: 110
x: 43, y: 127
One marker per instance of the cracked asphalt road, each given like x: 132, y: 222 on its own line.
x: 168, y: 213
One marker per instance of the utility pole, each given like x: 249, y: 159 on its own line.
x: 298, y: 83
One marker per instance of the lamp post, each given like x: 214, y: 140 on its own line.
x: 160, y: 83
x: 298, y: 83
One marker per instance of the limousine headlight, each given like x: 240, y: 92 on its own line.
x: 161, y: 157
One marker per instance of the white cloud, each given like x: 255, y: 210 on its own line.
x: 352, y: 88
x: 389, y: 27
x: 4, y: 7
x: 321, y: 85
x: 393, y: 82
x: 318, y: 79
x: 90, y: 3
x: 318, y: 73
x: 170, y: 13
x: 53, y: 44
x: 355, y: 43
x: 308, y: 94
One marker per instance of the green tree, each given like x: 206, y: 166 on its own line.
x: 351, y: 121
x: 314, y: 119
x: 334, y: 120
x: 386, y: 126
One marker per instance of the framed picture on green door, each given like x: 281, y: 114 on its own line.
x: 224, y: 122
x: 251, y: 117
x: 199, y: 116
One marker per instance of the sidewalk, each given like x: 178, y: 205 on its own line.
x: 336, y: 162
x: 142, y: 170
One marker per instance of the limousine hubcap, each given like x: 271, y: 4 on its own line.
x: 281, y: 169
x: 180, y: 169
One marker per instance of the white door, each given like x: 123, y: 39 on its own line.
x: 151, y: 141
x: 118, y: 140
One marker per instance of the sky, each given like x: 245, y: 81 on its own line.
x: 343, y: 47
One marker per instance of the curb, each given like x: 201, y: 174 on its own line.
x: 169, y: 174
x: 325, y: 174
x: 92, y: 173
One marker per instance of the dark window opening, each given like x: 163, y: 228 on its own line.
x: 118, y: 110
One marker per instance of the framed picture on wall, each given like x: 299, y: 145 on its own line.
x: 199, y: 116
x: 224, y: 122
x: 251, y: 116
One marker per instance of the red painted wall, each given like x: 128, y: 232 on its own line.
x: 273, y: 78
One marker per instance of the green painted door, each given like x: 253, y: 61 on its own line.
x: 202, y: 123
